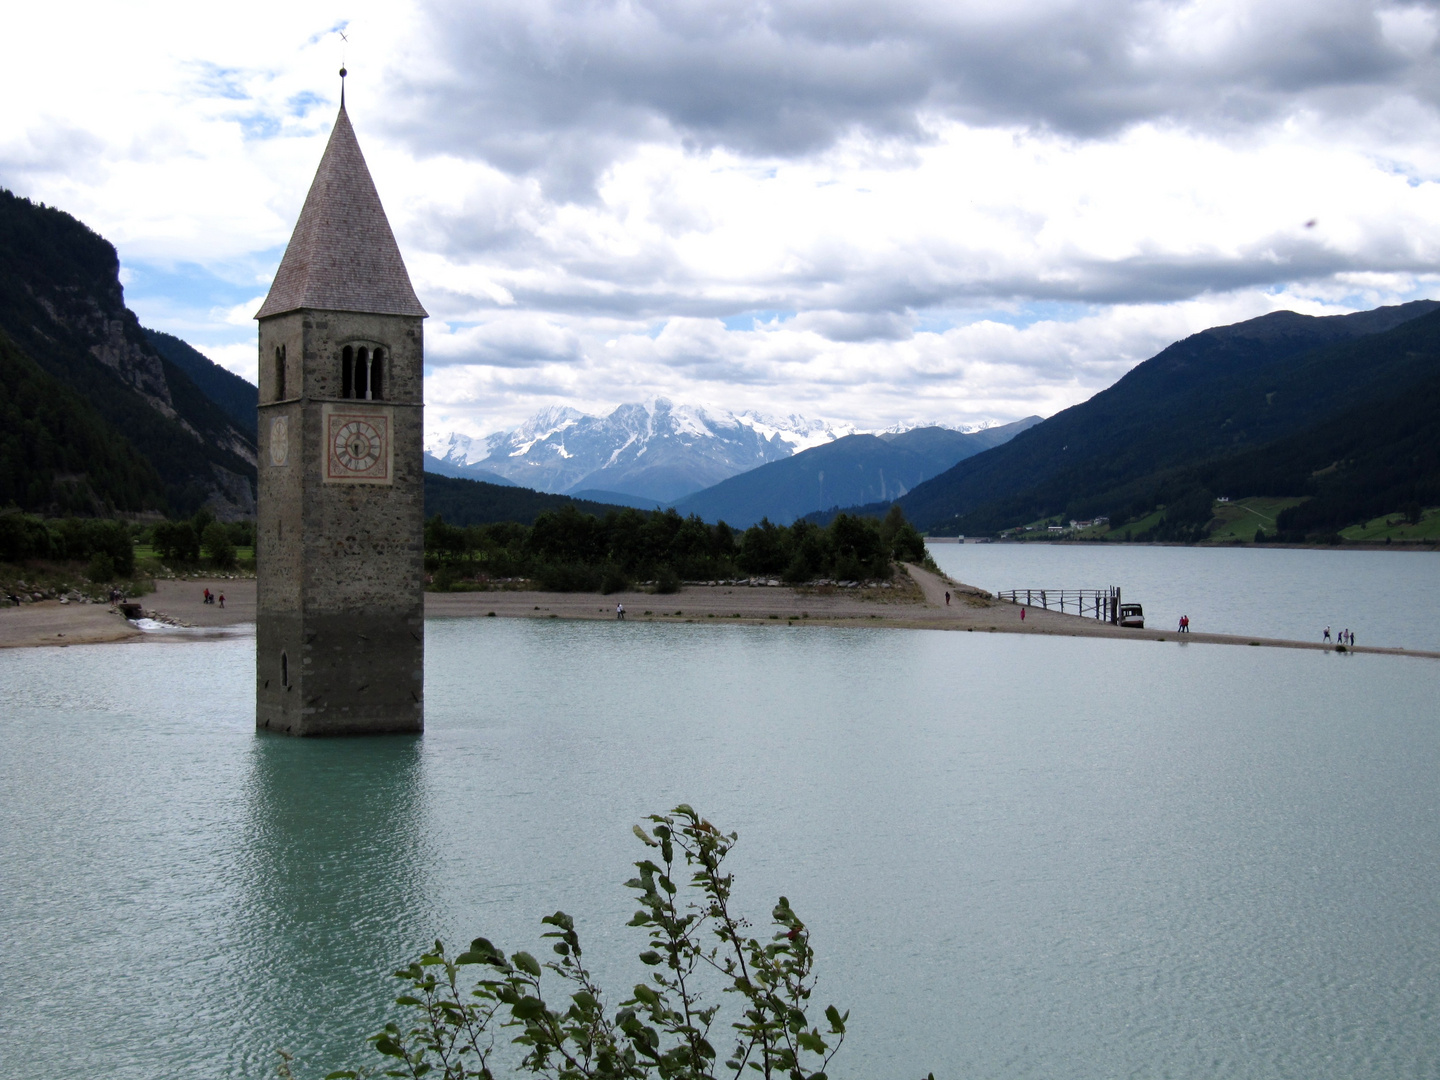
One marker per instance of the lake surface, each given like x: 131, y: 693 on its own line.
x: 1019, y: 856
x: 1385, y: 597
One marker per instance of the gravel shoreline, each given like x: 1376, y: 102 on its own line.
x: 917, y: 603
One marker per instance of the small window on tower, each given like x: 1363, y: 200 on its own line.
x: 347, y: 385
x: 362, y: 366
x: 284, y: 670
x: 376, y: 375
x: 280, y: 373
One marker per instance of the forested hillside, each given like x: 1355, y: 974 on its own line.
x: 1204, y: 399
x: 1372, y: 460
x: 57, y: 455
x: 62, y: 305
x: 474, y: 502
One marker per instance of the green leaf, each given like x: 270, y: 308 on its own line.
x: 651, y: 957
x: 810, y: 1040
x: 837, y: 1022
x: 645, y: 837
x: 526, y: 963
x: 528, y: 1008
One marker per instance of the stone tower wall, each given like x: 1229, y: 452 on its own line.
x: 340, y: 562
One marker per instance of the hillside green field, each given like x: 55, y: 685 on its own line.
x: 1395, y: 527
x: 1241, y: 519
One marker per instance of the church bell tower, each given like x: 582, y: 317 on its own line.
x: 340, y: 646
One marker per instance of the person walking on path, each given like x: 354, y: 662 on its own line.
x: 1184, y: 624
x: 1022, y: 614
x: 222, y: 601
x: 620, y: 612
x: 947, y: 597
x: 1326, y: 636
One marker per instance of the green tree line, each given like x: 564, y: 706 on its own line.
x: 106, y: 545
x: 109, y: 545
x: 568, y: 551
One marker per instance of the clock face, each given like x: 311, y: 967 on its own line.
x: 357, y: 446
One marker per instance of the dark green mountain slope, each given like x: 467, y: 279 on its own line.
x: 849, y: 471
x: 1209, y: 396
x: 238, y: 399
x: 1365, y: 462
x: 57, y: 456
x: 62, y: 304
x: 474, y: 502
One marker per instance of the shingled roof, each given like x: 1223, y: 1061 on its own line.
x: 342, y: 255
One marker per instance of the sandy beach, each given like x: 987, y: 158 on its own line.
x: 916, y: 603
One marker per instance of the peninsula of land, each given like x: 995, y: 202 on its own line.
x: 913, y: 602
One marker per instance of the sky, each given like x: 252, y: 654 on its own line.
x: 961, y: 212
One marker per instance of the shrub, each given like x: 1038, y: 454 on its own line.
x: 613, y: 580
x: 667, y: 1026
x: 101, y: 568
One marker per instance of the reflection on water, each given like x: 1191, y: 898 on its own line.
x: 1020, y: 856
x: 333, y: 885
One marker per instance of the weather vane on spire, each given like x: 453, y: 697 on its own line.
x: 345, y: 41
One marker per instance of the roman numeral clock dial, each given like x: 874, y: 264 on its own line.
x: 357, y: 446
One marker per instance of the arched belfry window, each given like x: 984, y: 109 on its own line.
x: 362, y: 373
x: 280, y: 373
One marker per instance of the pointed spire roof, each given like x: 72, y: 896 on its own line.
x: 342, y: 255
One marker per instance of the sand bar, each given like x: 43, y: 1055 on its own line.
x: 917, y: 603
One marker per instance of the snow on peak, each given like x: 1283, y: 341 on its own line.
x: 656, y: 448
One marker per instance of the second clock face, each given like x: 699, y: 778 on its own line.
x: 357, y: 447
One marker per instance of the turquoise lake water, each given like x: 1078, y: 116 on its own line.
x: 1018, y: 856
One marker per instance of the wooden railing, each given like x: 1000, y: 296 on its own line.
x: 1102, y: 604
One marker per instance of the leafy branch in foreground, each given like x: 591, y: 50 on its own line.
x: 665, y: 1029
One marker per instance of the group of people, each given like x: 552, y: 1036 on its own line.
x: 1184, y: 624
x: 1344, y: 637
x: 211, y: 597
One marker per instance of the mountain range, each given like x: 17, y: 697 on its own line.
x: 655, y: 451
x: 859, y: 468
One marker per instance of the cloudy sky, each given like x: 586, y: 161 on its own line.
x: 960, y: 211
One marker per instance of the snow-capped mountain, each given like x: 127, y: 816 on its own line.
x: 653, y: 450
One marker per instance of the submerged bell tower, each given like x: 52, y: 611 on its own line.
x: 340, y: 646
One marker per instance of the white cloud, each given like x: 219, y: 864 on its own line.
x: 867, y: 212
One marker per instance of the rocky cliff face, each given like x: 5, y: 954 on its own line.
x: 62, y: 304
